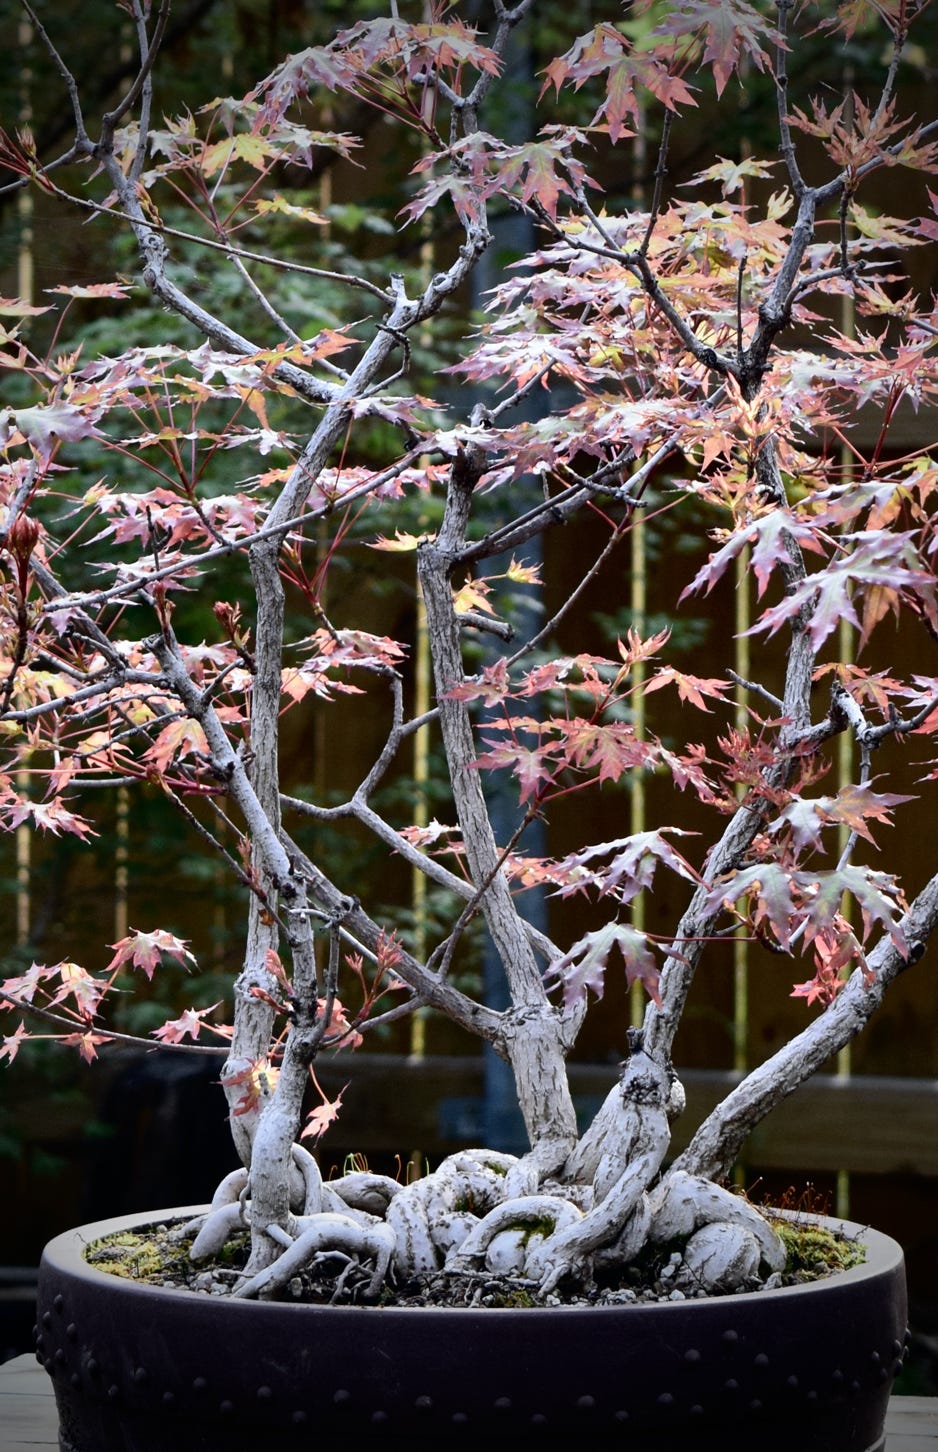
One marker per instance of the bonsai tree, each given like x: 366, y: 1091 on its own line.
x: 685, y: 355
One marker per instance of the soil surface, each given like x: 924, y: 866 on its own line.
x: 159, y: 1255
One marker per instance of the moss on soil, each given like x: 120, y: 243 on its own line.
x: 153, y: 1256
x: 159, y: 1255
x: 814, y: 1251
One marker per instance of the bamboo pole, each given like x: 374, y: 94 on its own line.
x: 422, y: 699
x: 740, y: 940
x: 845, y: 754
x: 638, y: 606
x: 26, y: 287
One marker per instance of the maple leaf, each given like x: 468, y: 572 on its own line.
x: 179, y: 739
x: 492, y: 685
x: 464, y: 196
x: 429, y: 835
x: 732, y: 30
x: 689, y: 688
x: 319, y: 1119
x: 632, y: 863
x: 83, y: 987
x: 277, y: 204
x: 86, y: 1043
x: 401, y: 543
x: 876, y: 893
x: 297, y: 682
x: 635, y: 649
x: 339, y: 1030
x: 823, y: 988
x: 521, y: 574
x: 877, y: 558
x: 854, y: 804
x: 769, y: 887
x: 17, y: 307
x: 93, y: 290
x: 528, y: 763
x: 732, y: 174
x: 610, y: 746
x: 257, y: 1081
x: 188, y: 1023
x: 583, y: 967
x: 145, y: 950
x: 48, y: 425
x: 604, y: 48
x: 473, y: 596
x: 772, y: 537
x: 274, y: 966
x: 889, y: 231
x: 12, y: 1042
x: 542, y: 170
x: 851, y: 807
x: 27, y: 984
x: 51, y: 816
x: 835, y: 949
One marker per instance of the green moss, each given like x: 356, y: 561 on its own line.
x: 136, y: 1257
x: 814, y: 1251
x: 519, y: 1300
x: 528, y: 1230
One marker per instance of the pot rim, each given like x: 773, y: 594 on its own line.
x: 65, y: 1253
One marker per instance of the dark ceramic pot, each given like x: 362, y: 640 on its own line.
x: 139, y: 1369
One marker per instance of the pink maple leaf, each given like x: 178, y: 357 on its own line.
x: 319, y: 1119
x: 11, y: 1043
x: 144, y: 950
x: 188, y: 1023
x: 86, y: 1043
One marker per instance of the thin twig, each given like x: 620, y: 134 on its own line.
x: 446, y: 950
x: 83, y: 141
x: 786, y: 143
x: 75, y: 1026
x: 111, y: 119
x: 661, y: 171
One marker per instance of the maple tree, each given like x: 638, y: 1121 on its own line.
x: 691, y: 362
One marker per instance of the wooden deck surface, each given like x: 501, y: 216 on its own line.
x: 27, y: 1413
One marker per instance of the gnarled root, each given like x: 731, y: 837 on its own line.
x: 230, y: 1207
x: 511, y: 1238
x: 361, y: 1190
x: 465, y: 1217
x: 433, y: 1216
x: 728, y: 1241
x: 324, y: 1233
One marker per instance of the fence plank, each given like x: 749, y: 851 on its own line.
x: 861, y: 1124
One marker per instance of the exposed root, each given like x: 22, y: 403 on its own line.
x: 325, y: 1232
x: 468, y: 1217
x: 364, y: 1191
x: 432, y: 1216
x: 214, y: 1230
x: 512, y: 1236
x: 727, y: 1241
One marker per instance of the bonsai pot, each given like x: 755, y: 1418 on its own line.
x: 140, y: 1369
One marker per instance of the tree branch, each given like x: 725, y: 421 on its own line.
x: 718, y: 1141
